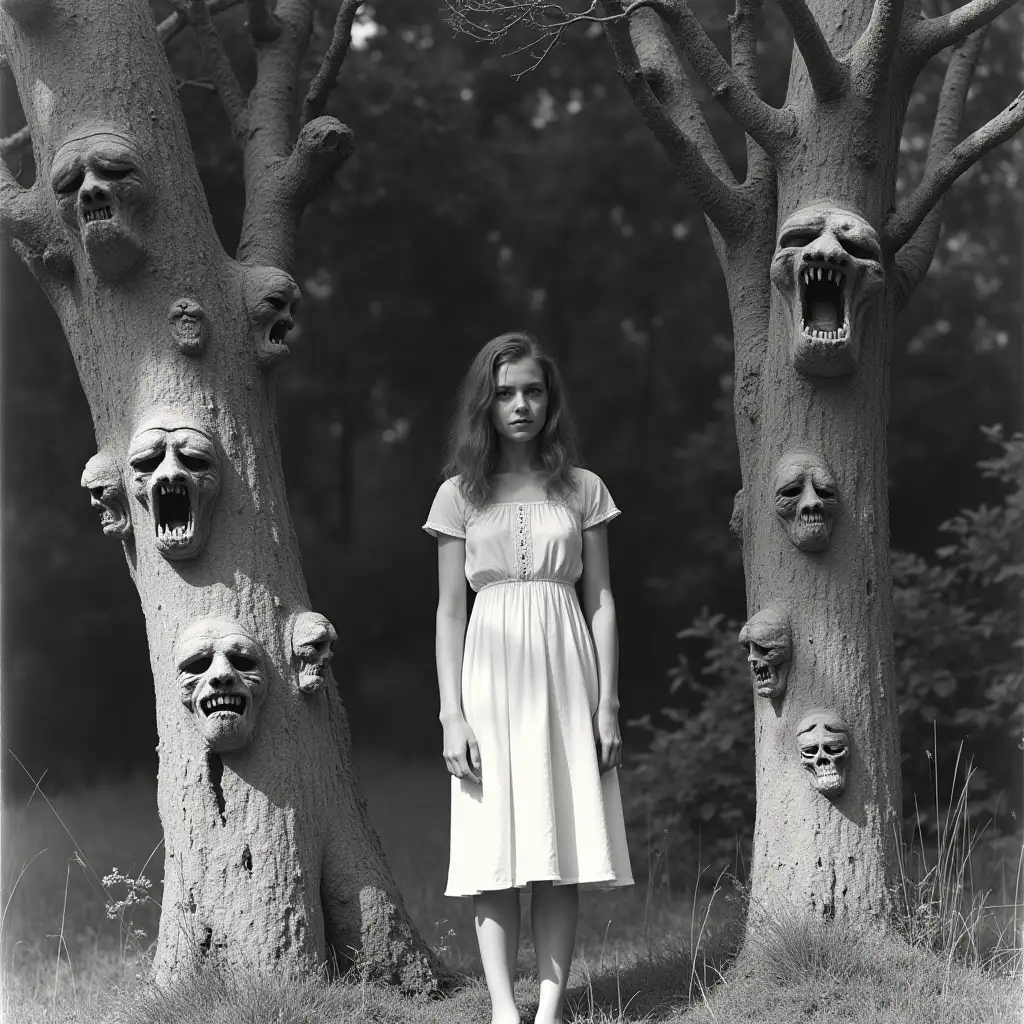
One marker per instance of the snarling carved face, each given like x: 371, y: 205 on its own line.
x: 175, y: 476
x: 272, y: 300
x: 806, y: 499
x: 103, y: 196
x: 102, y: 479
x: 769, y: 651
x: 828, y: 267
x: 313, y: 640
x: 188, y: 326
x: 222, y: 681
x: 823, y: 740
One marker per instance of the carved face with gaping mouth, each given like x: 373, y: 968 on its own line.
x: 272, y: 302
x: 828, y: 267
x: 769, y: 648
x: 222, y: 681
x: 102, y: 195
x: 102, y: 479
x: 175, y: 476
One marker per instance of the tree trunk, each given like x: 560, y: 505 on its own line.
x: 270, y: 861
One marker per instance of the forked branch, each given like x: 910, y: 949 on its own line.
x: 744, y: 29
x: 935, y: 34
x: 174, y: 23
x: 218, y: 64
x: 937, y: 180
x: 873, y: 53
x: 828, y: 77
x: 322, y: 84
x: 264, y: 24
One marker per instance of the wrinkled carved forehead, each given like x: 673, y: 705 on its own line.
x: 262, y: 281
x: 102, y: 143
x: 311, y: 628
x: 823, y: 213
x: 768, y: 628
x: 209, y: 635
x: 793, y: 466
x: 821, y: 718
x: 100, y: 471
x: 171, y: 421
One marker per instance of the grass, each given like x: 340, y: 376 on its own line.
x: 643, y: 954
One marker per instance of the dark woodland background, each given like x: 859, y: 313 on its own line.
x: 477, y: 203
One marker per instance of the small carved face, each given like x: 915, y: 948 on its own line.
x: 222, y: 681
x: 769, y: 651
x: 823, y: 740
x: 828, y: 267
x: 102, y: 479
x: 175, y: 476
x: 102, y: 195
x: 188, y: 326
x: 806, y: 500
x: 272, y: 301
x: 313, y: 640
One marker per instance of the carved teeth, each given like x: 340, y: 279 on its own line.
x: 100, y: 213
x: 233, y: 703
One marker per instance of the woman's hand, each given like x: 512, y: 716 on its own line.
x: 607, y: 737
x: 461, y: 753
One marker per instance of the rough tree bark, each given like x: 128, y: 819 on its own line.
x: 270, y: 861
x: 818, y: 260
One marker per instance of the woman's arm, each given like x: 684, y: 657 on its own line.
x: 599, y: 609
x: 450, y: 639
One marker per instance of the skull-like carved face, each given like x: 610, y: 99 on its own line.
x: 175, y: 476
x: 806, y: 499
x: 272, y: 301
x: 222, y: 681
x: 313, y: 640
x: 828, y: 267
x: 102, y: 479
x: 103, y: 196
x: 188, y: 326
x: 769, y: 651
x: 823, y: 740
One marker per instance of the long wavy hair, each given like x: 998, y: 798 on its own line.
x: 473, y: 441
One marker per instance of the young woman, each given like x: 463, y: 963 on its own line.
x: 529, y: 700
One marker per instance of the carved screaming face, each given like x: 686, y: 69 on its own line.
x: 823, y: 740
x: 313, y: 640
x: 102, y: 479
x: 188, y: 326
x: 828, y: 267
x: 175, y: 476
x: 222, y: 681
x: 806, y: 500
x: 272, y: 301
x: 103, y: 197
x: 769, y: 651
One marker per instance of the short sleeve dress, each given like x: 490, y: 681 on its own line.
x: 542, y: 811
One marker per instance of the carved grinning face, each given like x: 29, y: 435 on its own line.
x: 222, y: 681
x: 823, y: 740
x: 313, y: 640
x: 175, y: 476
x: 806, y: 500
x: 769, y: 650
x: 102, y: 479
x: 828, y: 267
x: 102, y: 195
x: 272, y: 301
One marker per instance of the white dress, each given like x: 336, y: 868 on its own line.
x: 542, y: 811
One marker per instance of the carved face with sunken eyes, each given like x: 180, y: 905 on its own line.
x: 806, y: 499
x: 174, y: 474
x: 828, y: 267
x: 103, y: 196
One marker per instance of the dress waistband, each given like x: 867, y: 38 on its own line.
x: 533, y: 579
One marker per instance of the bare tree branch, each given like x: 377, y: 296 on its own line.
x: 722, y: 205
x: 264, y: 25
x: 934, y: 34
x: 915, y: 257
x: 174, y: 23
x: 937, y: 180
x: 219, y: 66
x: 744, y: 28
x: 320, y: 87
x: 16, y: 142
x: 768, y: 126
x: 873, y: 53
x: 829, y: 78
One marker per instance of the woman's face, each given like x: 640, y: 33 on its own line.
x: 520, y: 405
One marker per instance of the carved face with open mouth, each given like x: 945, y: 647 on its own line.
x: 272, y: 302
x: 806, y: 499
x: 102, y: 195
x: 769, y: 650
x: 313, y: 640
x: 222, y: 681
x: 102, y: 479
x: 828, y: 267
x: 175, y: 476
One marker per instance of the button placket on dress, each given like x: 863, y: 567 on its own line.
x: 524, y: 543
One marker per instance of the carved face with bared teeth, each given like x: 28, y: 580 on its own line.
x: 769, y: 645
x: 313, y: 640
x: 103, y: 196
x: 272, y: 302
x: 222, y: 681
x: 174, y: 473
x: 828, y: 267
x: 806, y: 499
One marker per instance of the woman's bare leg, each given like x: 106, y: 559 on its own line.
x: 497, y: 932
x: 554, y: 912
